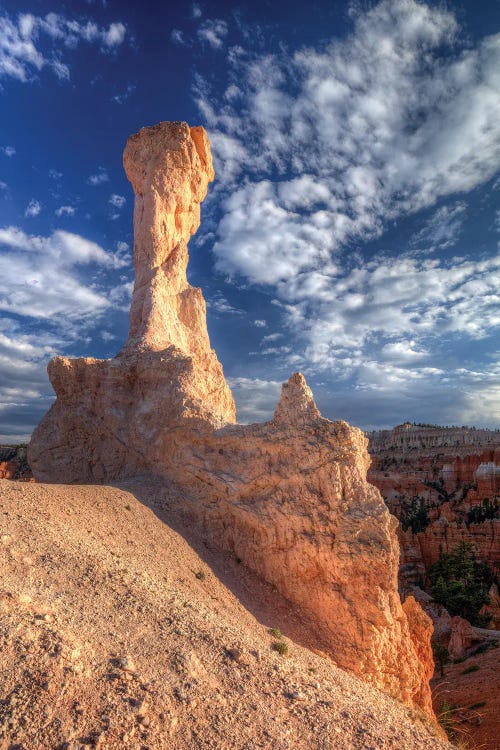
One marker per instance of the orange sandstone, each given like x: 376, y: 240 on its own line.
x: 289, y: 498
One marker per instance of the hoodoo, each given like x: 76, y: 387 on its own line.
x: 288, y: 497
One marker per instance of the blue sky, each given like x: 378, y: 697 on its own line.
x: 353, y: 228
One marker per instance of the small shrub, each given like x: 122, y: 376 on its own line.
x: 446, y: 718
x: 472, y: 668
x: 276, y: 633
x: 200, y: 575
x: 127, y: 507
x: 280, y: 647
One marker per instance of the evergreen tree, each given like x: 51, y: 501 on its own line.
x: 461, y: 583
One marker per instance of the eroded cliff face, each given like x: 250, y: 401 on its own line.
x: 444, y: 485
x: 289, y: 498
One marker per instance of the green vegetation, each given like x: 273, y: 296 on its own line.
x: 414, y: 515
x: 471, y: 668
x: 276, y: 633
x: 461, y: 583
x: 489, y: 509
x: 446, y: 718
x: 280, y: 647
x: 438, y: 485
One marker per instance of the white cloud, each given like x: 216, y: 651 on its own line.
x: 117, y: 201
x: 177, y: 37
x: 25, y: 393
x: 379, y: 125
x: 260, y: 323
x: 220, y: 304
x: 30, y: 287
x: 442, y: 230
x: 115, y: 35
x: 8, y: 150
x: 65, y: 211
x: 196, y: 11
x: 30, y: 43
x: 255, y: 399
x: 100, y: 177
x: 321, y: 150
x: 33, y: 208
x: 213, y: 32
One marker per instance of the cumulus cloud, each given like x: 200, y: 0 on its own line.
x: 318, y: 152
x: 177, y: 37
x: 30, y: 288
x: 8, y: 150
x: 213, y: 32
x: 117, y: 201
x: 378, y: 125
x: 65, y: 211
x: 99, y: 178
x: 220, y: 304
x: 33, y: 208
x: 30, y: 43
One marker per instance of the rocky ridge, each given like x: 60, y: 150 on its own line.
x: 289, y: 498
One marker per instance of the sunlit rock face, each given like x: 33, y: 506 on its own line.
x: 288, y: 497
x: 114, y: 418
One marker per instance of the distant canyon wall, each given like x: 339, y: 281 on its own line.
x: 455, y: 474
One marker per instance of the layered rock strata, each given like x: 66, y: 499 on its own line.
x: 454, y: 473
x: 289, y: 498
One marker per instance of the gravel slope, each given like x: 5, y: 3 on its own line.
x: 116, y: 633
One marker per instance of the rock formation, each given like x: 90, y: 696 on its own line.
x: 13, y: 463
x: 492, y: 609
x: 454, y: 472
x: 463, y: 637
x: 114, y: 418
x: 289, y: 498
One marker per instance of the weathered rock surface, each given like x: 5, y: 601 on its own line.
x: 114, y: 418
x: 462, y: 638
x: 289, y: 498
x: 454, y: 472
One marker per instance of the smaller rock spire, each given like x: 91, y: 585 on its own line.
x: 296, y: 404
